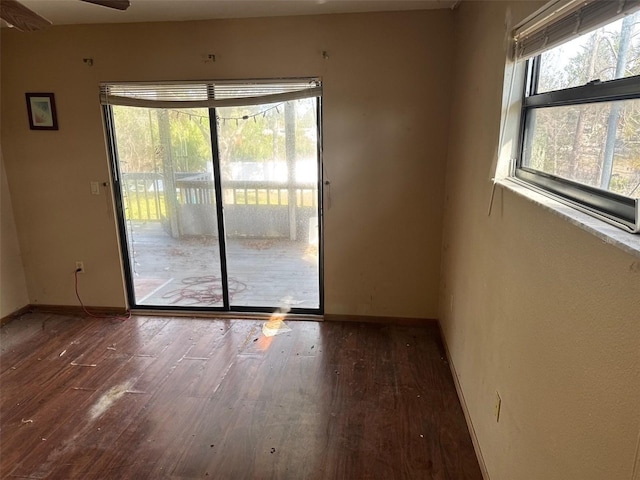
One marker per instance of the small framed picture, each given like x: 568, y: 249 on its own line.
x: 42, y: 111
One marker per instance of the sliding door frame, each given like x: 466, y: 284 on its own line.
x: 123, y: 236
x: 217, y: 182
x: 116, y: 175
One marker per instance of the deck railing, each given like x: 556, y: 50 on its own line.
x: 145, y: 197
x: 245, y: 193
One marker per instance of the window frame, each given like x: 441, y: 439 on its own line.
x: 612, y: 207
x: 312, y: 90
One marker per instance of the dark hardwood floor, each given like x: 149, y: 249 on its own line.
x: 187, y: 398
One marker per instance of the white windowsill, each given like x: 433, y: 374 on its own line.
x: 628, y: 242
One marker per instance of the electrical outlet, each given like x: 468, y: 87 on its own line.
x: 496, y: 407
x: 80, y: 267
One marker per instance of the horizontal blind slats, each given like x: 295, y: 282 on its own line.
x: 570, y: 21
x: 207, y: 94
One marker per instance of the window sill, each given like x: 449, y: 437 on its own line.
x: 628, y: 242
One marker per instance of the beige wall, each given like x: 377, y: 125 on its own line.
x: 386, y: 107
x: 13, y: 289
x: 532, y: 306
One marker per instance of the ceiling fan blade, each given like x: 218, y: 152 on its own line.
x: 20, y: 17
x: 117, y: 4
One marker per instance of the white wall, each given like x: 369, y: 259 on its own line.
x: 532, y: 307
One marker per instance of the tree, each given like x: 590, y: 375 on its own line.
x: 597, y: 143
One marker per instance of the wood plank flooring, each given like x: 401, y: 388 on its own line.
x: 187, y: 398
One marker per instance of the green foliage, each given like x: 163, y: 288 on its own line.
x: 190, y: 140
x: 257, y: 133
x: 247, y: 134
x: 136, y: 138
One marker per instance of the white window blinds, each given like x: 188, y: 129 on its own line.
x: 208, y: 94
x: 562, y: 20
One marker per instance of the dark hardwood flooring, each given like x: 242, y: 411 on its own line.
x: 187, y: 398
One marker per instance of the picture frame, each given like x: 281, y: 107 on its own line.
x: 42, y: 111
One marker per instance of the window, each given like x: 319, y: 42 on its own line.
x: 580, y: 123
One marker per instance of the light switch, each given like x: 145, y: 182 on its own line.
x: 95, y: 188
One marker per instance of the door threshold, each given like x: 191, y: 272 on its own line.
x: 305, y: 317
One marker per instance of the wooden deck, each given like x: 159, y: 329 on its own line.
x: 186, y: 272
x: 177, y: 398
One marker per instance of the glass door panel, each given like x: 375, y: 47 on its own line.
x: 269, y: 176
x: 168, y: 197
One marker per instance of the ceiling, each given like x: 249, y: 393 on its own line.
x: 66, y: 12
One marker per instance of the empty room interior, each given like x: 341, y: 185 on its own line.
x: 320, y: 239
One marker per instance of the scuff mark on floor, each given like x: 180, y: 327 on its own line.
x: 108, y: 399
x: 83, y: 364
x: 224, y: 375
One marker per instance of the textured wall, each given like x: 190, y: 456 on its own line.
x: 13, y: 289
x: 532, y: 306
x: 386, y: 107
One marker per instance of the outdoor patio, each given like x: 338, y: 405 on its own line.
x: 185, y: 271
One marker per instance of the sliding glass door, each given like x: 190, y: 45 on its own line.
x: 218, y: 192
x: 269, y: 172
x: 168, y: 205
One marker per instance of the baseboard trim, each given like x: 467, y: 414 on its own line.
x: 465, y: 409
x: 329, y: 317
x: 636, y: 466
x: 76, y: 309
x: 402, y: 321
x: 12, y: 316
